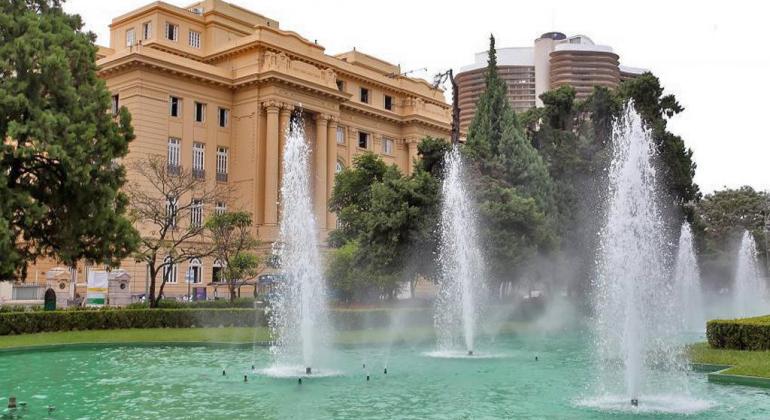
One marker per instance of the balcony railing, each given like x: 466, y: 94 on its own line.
x: 174, y: 169
x: 221, y: 177
x: 199, y: 173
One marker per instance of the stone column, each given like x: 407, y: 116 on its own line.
x: 282, y: 130
x: 331, y: 169
x: 411, y: 143
x: 319, y: 187
x: 272, y: 160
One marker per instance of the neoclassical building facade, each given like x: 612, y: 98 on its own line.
x: 212, y: 87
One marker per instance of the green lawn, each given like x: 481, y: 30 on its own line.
x: 744, y: 362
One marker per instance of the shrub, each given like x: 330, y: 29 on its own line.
x: 39, y: 321
x: 210, y: 304
x: 740, y: 334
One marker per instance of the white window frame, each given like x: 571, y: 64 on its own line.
x: 147, y: 30
x: 223, y: 154
x: 174, y: 152
x: 130, y: 37
x: 220, y: 207
x: 387, y: 146
x: 166, y: 268
x: 197, y: 275
x: 196, y: 213
x: 202, y: 107
x: 217, y: 264
x: 171, y: 211
x: 171, y: 99
x: 340, y: 135
x: 368, y: 140
x: 223, y: 117
x: 199, y: 156
x: 194, y: 39
x: 175, y: 32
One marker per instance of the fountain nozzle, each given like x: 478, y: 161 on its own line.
x: 385, y: 371
x: 12, y: 402
x: 634, y: 402
x: 367, y: 377
x: 245, y: 378
x: 223, y: 372
x: 299, y: 381
x: 470, y: 352
x: 308, y: 370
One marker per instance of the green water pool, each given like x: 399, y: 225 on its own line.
x: 164, y: 382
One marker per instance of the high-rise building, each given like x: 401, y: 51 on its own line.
x: 212, y: 87
x: 554, y: 60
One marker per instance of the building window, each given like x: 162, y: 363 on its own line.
x: 169, y: 270
x: 200, y: 112
x: 130, y: 37
x: 340, y: 135
x: 216, y: 271
x: 340, y: 85
x: 115, y: 104
x: 194, y: 39
x: 363, y: 140
x: 146, y: 30
x: 174, y: 106
x: 196, y: 213
x: 220, y: 207
x: 222, y: 154
x: 195, y: 271
x: 339, y: 168
x: 389, y: 103
x: 387, y: 146
x: 365, y: 95
x: 172, y: 32
x: 174, y: 148
x: 224, y: 115
x: 171, y: 210
x: 198, y: 164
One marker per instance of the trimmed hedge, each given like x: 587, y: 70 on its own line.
x: 41, y: 321
x: 740, y: 334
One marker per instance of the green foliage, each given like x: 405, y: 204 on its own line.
x: 721, y: 218
x: 387, y: 221
x: 512, y: 184
x: 432, y: 152
x: 233, y: 246
x: 677, y: 167
x: 58, y: 180
x: 242, y: 302
x: 48, y: 321
x: 740, y: 334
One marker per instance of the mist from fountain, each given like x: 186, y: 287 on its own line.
x: 461, y: 263
x: 634, y: 316
x: 298, y: 322
x: 749, y: 289
x: 687, y: 283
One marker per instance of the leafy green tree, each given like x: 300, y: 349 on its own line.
x: 387, y: 221
x: 59, y: 180
x: 676, y: 164
x: 721, y: 219
x: 234, y: 247
x: 514, y: 189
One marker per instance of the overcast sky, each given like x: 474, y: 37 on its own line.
x: 713, y: 55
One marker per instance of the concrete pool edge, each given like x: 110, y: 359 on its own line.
x: 87, y: 345
x: 715, y: 373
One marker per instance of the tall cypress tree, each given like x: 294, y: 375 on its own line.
x: 514, y: 189
x: 59, y: 176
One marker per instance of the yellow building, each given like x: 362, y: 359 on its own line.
x: 212, y: 87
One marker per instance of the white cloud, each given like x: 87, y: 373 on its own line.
x: 712, y: 55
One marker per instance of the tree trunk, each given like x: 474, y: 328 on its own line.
x: 151, y: 293
x: 232, y: 292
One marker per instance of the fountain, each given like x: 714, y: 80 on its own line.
x: 687, y: 283
x: 298, y: 320
x: 749, y: 290
x: 634, y: 305
x: 462, y: 265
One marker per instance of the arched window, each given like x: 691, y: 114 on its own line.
x: 169, y: 270
x: 195, y: 271
x: 340, y: 167
x: 216, y: 271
